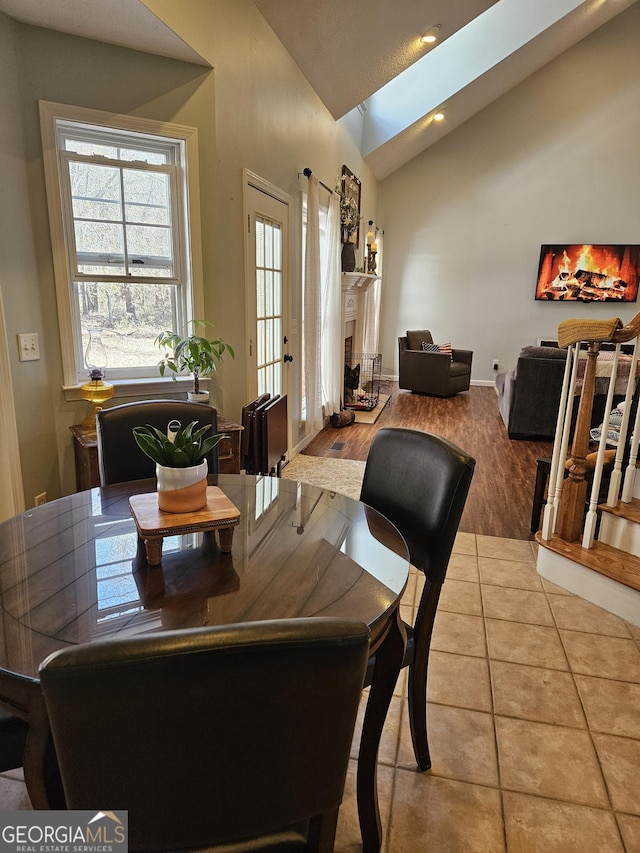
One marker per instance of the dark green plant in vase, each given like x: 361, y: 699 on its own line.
x: 187, y: 447
x: 193, y: 354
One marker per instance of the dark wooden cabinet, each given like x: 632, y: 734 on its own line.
x: 229, y: 448
x: 85, y: 451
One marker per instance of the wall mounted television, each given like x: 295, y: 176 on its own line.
x: 588, y: 273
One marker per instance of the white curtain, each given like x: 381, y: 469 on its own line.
x: 323, y: 335
x: 332, y: 331
x: 372, y: 299
x: 312, y: 314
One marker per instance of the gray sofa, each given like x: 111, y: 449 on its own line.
x: 529, y: 394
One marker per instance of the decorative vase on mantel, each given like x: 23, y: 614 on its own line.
x: 348, y: 257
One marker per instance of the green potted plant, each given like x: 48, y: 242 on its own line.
x: 194, y: 354
x: 181, y: 463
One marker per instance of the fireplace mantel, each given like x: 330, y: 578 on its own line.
x: 359, y: 281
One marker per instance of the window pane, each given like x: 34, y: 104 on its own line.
x: 259, y: 242
x: 114, y: 152
x: 260, y: 297
x: 148, y: 240
x: 146, y: 196
x: 269, y: 294
x: 95, y: 191
x: 269, y: 340
x: 90, y: 268
x: 277, y: 293
x: 130, y: 315
x: 277, y: 248
x: 269, y: 245
x: 99, y: 238
x: 261, y: 346
x: 277, y: 338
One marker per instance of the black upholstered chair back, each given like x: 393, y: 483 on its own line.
x: 13, y: 727
x: 21, y: 744
x: 420, y: 482
x: 119, y: 457
x: 212, y: 736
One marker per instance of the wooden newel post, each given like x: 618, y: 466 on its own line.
x: 574, y: 492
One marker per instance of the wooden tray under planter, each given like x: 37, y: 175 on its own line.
x: 153, y: 524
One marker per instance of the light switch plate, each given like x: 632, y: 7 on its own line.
x: 28, y: 347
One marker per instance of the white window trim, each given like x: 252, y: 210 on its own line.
x: 49, y: 113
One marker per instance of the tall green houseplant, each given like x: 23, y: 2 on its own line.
x: 193, y: 354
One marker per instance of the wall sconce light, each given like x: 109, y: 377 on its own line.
x: 431, y: 35
x: 372, y: 248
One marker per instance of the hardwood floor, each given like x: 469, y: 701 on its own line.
x: 501, y: 494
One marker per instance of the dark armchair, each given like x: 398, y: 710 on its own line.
x: 434, y: 373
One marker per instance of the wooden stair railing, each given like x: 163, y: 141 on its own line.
x: 564, y: 513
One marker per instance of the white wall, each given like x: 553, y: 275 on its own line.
x: 556, y: 160
x: 255, y: 109
x: 270, y: 121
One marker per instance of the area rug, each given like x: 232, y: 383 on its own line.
x: 372, y: 416
x: 335, y: 475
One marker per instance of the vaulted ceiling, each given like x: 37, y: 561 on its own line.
x: 366, y: 55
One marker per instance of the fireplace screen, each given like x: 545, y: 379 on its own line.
x: 588, y: 273
x: 362, y: 373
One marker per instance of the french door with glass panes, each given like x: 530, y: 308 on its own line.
x: 267, y: 289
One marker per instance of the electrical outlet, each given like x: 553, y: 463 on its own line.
x: 41, y: 499
x: 28, y: 347
x: 496, y: 363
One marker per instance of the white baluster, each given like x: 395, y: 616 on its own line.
x: 616, y: 475
x: 630, y: 473
x: 589, y: 530
x: 560, y: 443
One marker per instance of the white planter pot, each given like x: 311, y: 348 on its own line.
x: 200, y: 397
x: 182, y: 489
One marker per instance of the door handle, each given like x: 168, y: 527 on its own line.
x: 288, y: 357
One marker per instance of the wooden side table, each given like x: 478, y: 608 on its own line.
x: 85, y: 451
x: 229, y: 448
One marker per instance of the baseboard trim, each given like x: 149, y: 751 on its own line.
x: 487, y: 383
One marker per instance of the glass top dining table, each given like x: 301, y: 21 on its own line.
x: 75, y: 571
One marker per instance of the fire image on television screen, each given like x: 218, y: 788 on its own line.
x: 588, y: 273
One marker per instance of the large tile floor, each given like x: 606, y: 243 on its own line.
x: 534, y: 721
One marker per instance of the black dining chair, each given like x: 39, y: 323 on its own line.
x: 420, y: 482
x: 13, y: 735
x: 119, y: 457
x: 20, y: 747
x: 233, y: 738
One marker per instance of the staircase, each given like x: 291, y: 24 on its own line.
x: 596, y: 556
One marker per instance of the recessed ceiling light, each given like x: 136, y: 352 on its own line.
x: 438, y: 115
x: 431, y: 35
